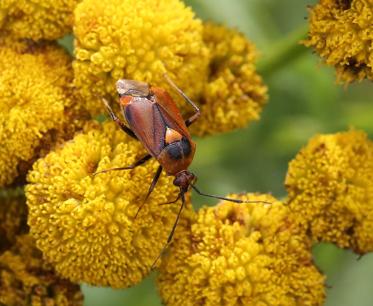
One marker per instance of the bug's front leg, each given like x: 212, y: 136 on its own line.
x: 121, y: 124
x: 197, y: 113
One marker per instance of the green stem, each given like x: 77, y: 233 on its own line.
x: 283, y: 52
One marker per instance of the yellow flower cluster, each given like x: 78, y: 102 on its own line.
x: 138, y: 40
x: 36, y: 107
x: 142, y: 40
x: 341, y: 33
x: 234, y: 93
x: 13, y: 215
x: 330, y: 187
x: 86, y: 225
x: 241, y: 254
x: 25, y: 280
x: 37, y: 19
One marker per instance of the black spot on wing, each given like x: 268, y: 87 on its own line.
x: 174, y: 150
x: 179, y: 149
x: 185, y: 145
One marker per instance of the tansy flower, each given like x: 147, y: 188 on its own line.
x: 36, y: 106
x: 37, y: 19
x: 234, y: 93
x: 137, y: 39
x: 241, y: 254
x: 25, y: 280
x: 86, y: 225
x: 330, y: 187
x: 13, y: 215
x: 341, y: 33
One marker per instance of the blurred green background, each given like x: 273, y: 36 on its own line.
x: 304, y: 100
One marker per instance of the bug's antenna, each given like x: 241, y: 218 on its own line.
x: 169, y: 239
x: 226, y: 199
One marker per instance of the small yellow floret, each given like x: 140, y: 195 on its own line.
x: 330, y: 186
x: 84, y: 224
x: 37, y: 19
x: 341, y: 33
x: 25, y: 280
x: 138, y: 40
x: 241, y: 254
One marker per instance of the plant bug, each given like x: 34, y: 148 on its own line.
x: 154, y: 119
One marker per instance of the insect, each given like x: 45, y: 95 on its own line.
x: 154, y: 119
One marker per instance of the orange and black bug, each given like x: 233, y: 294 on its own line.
x: 154, y: 119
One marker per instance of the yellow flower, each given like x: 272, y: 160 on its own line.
x: 36, y: 107
x: 138, y: 40
x: 37, y: 19
x: 330, y: 187
x: 25, y: 280
x: 234, y: 93
x: 85, y: 225
x: 341, y: 33
x: 13, y: 217
x: 241, y: 254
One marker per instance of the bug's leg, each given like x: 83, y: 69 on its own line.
x: 171, y: 235
x: 226, y: 199
x: 114, y: 117
x: 133, y: 166
x: 172, y: 202
x: 197, y: 113
x: 151, y: 188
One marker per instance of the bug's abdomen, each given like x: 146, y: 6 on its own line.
x: 177, y: 156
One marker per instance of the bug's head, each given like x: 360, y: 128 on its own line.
x: 132, y: 88
x: 184, y: 179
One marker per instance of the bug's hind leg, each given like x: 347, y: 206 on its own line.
x: 114, y: 117
x: 197, y: 113
x: 151, y: 188
x: 133, y: 166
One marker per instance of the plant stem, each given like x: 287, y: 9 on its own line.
x: 283, y: 52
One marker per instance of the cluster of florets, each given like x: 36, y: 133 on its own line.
x: 80, y: 227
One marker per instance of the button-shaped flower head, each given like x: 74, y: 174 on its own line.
x: 234, y: 93
x: 37, y: 108
x: 330, y: 188
x: 241, y: 254
x: 138, y: 40
x: 37, y: 19
x: 26, y: 280
x: 86, y: 225
x: 341, y: 33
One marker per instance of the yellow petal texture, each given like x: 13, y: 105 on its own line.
x: 234, y: 94
x: 36, y: 106
x: 13, y: 215
x: 138, y: 40
x: 25, y: 280
x: 341, y: 33
x: 85, y: 225
x: 330, y: 187
x: 37, y: 19
x: 241, y: 254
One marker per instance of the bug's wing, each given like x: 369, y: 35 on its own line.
x: 170, y: 112
x: 145, y: 120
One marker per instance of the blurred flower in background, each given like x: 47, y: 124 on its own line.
x: 341, y: 33
x: 330, y: 186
